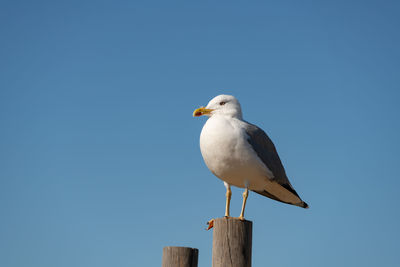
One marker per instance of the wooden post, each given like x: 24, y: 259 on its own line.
x: 232, y: 240
x: 180, y: 257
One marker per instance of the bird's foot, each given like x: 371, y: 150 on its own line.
x: 241, y: 218
x: 210, y: 224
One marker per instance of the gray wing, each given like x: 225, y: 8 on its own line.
x: 266, y: 151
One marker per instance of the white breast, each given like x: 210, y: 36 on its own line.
x: 229, y: 156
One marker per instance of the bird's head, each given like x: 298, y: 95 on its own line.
x: 225, y: 105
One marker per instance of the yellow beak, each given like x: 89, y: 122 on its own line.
x: 201, y: 111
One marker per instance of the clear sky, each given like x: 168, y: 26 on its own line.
x: 100, y: 161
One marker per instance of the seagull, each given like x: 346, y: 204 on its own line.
x: 242, y: 155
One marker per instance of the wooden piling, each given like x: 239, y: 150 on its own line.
x: 180, y: 257
x: 232, y: 241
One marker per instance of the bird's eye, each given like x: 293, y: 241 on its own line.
x: 222, y: 103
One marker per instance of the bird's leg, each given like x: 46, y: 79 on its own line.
x: 228, y: 195
x: 228, y: 199
x: 245, y: 195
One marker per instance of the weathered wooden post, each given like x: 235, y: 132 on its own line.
x: 232, y: 240
x: 180, y: 257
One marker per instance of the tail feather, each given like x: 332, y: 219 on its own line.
x: 301, y: 204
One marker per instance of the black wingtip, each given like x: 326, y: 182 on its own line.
x: 304, y: 205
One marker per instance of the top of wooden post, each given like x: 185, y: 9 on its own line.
x: 180, y: 257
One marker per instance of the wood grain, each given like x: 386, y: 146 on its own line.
x: 232, y: 241
x: 180, y: 257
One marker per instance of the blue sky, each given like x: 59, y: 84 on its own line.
x: 100, y: 162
